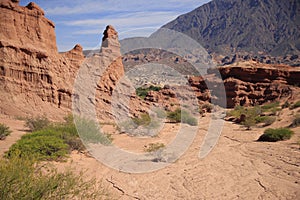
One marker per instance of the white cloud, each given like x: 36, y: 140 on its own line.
x: 128, y: 25
x: 134, y: 19
x: 92, y: 6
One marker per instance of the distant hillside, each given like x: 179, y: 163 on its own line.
x: 230, y: 26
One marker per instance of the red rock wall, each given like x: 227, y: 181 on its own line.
x: 34, y: 78
x: 249, y: 85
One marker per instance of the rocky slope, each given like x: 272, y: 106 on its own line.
x: 234, y: 26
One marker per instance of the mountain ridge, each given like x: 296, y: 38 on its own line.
x: 271, y: 27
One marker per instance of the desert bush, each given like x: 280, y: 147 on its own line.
x: 174, y: 116
x: 208, y: 107
x: 4, y: 131
x: 251, y: 114
x: 296, y: 121
x: 160, y: 113
x: 295, y: 105
x: 267, y: 120
x: 286, y: 105
x: 249, y: 122
x: 182, y: 116
x: 273, y: 107
x: 270, y: 106
x: 55, y: 141
x: 37, y: 123
x: 43, y: 145
x: 154, y: 147
x: 143, y: 120
x: 20, y: 178
x: 89, y: 132
x: 68, y: 132
x: 274, y: 135
x: 239, y: 110
x: 142, y: 91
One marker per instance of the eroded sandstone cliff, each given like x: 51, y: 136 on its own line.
x: 35, y: 78
x: 250, y: 83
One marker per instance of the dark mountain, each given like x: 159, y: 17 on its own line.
x: 270, y: 27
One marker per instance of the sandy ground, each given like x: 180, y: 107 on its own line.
x: 237, y: 168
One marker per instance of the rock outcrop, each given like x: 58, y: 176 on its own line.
x: 35, y: 78
x: 105, y: 87
x: 26, y: 28
x: 250, y: 84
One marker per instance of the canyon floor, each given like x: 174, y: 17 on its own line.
x: 238, y: 167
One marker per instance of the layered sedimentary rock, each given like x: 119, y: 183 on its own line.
x: 102, y: 87
x: 249, y: 85
x: 35, y: 78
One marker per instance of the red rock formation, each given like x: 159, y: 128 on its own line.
x: 250, y: 85
x: 26, y: 27
x: 110, y: 56
x: 35, y: 79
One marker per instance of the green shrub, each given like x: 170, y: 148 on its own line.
x: 286, y: 105
x: 20, y: 179
x: 249, y: 121
x: 37, y: 123
x: 251, y: 114
x: 237, y: 111
x: 182, y: 116
x: 68, y: 132
x: 143, y: 120
x: 4, y: 131
x: 274, y: 135
x: 43, y: 145
x: 89, y: 132
x: 154, y: 147
x: 160, y: 113
x: 207, y: 107
x: 295, y: 105
x: 270, y: 106
x: 267, y: 120
x: 142, y: 91
x: 296, y: 121
x: 55, y: 141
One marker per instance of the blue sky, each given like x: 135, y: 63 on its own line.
x: 82, y: 22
